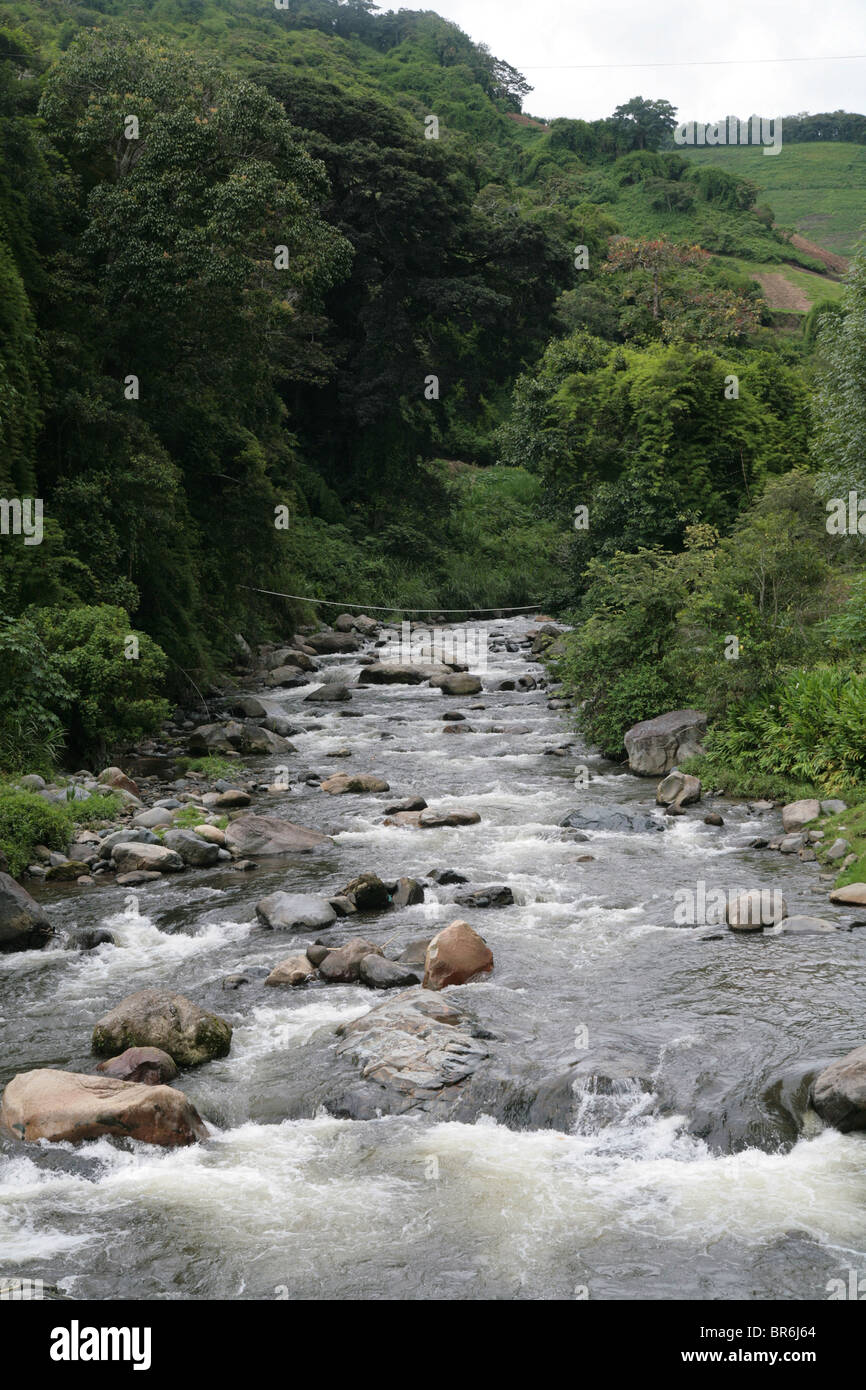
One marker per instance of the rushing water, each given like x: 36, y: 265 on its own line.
x: 642, y: 1129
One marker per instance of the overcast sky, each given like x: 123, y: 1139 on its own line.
x: 542, y: 37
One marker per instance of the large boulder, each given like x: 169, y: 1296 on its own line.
x: 458, y: 683
x: 159, y: 1018
x: 148, y: 1065
x: 358, y: 782
x: 128, y: 858
x: 655, y: 746
x: 193, y: 849
x: 498, y: 895
x: 839, y: 1092
x: 68, y: 1107
x: 295, y: 912
x: 799, y: 813
x: 266, y: 836
x: 456, y: 954
x: 23, y: 924
x: 259, y: 738
x: 410, y: 1049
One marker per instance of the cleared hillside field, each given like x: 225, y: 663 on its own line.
x: 819, y: 189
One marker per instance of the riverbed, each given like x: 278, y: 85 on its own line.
x: 641, y: 1129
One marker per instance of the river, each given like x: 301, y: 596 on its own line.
x: 641, y: 1131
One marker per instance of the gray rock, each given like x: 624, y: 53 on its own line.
x: 496, y: 896
x: 412, y: 1047
x: 408, y: 892
x: 601, y: 818
x: 799, y: 813
x: 343, y: 964
x: 147, y: 820
x: 193, y: 850
x: 387, y: 974
x: 24, y: 926
x: 160, y: 1018
x: 833, y: 807
x: 458, y: 683
x: 655, y: 746
x: 328, y: 694
x: 801, y: 925
x: 839, y: 1092
x: 267, y: 836
x: 295, y: 911
x: 838, y: 849
x: 128, y: 858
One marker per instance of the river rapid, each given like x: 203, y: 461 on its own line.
x: 640, y: 1130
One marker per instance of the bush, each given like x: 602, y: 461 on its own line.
x: 27, y: 819
x: 31, y: 734
x: 109, y: 696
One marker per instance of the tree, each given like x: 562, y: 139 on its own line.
x: 649, y: 122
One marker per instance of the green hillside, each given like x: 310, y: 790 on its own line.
x: 819, y: 189
x: 281, y: 294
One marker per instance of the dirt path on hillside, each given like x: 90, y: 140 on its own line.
x: 837, y: 265
x: 781, y: 294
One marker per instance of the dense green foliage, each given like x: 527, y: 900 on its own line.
x: 27, y: 820
x: 297, y: 300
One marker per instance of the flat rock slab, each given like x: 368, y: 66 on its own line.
x: 412, y: 1048
x: 265, y: 836
x: 63, y: 1106
x: 295, y: 912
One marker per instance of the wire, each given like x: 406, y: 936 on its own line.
x: 696, y: 63
x: 390, y: 608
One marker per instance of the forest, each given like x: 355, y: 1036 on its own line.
x: 263, y: 335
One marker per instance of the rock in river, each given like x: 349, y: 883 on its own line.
x: 411, y: 1049
x: 159, y: 1018
x: 456, y: 954
x: 839, y: 1092
x: 23, y: 924
x: 295, y: 911
x: 148, y: 1065
x: 266, y: 836
x: 65, y: 1106
x: 154, y: 858
x: 359, y: 782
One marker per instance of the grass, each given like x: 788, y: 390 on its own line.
x: 753, y: 786
x: 188, y: 818
x: 212, y: 767
x: 849, y: 825
x: 819, y: 189
x: 27, y: 820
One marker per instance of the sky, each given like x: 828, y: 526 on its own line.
x: 713, y: 40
